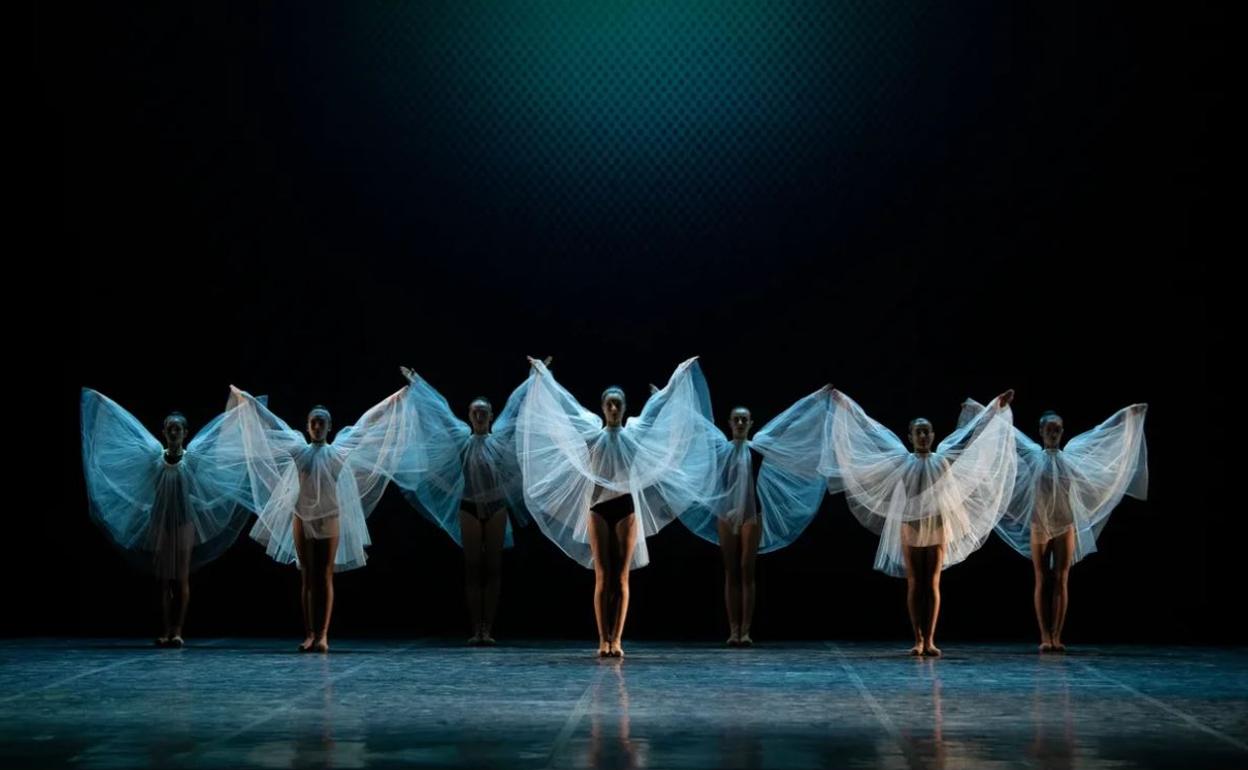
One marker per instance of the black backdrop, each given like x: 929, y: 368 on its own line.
x: 916, y: 204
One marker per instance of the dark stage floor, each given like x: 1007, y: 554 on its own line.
x: 251, y: 702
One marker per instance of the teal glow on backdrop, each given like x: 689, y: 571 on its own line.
x: 632, y: 115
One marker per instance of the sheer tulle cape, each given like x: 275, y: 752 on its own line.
x: 168, y: 518
x: 664, y: 459
x: 463, y: 467
x: 1076, y: 487
x: 785, y: 492
x: 952, y: 496
x: 330, y: 487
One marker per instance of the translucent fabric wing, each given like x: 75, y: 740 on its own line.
x: 121, y: 463
x: 673, y: 454
x: 553, y: 438
x: 267, y: 446
x: 789, y: 502
x: 388, y: 439
x: 863, y: 459
x: 796, y: 439
x: 501, y: 443
x: 1113, y: 458
x: 790, y: 486
x: 437, y: 491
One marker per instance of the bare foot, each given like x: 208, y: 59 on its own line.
x: 487, y: 640
x: 1058, y: 646
x: 161, y: 641
x: 176, y: 641
x: 474, y: 640
x: 306, y: 644
x: 733, y: 641
x: 746, y: 641
x: 616, y: 650
x: 321, y: 645
x: 1046, y: 647
x: 604, y: 649
x: 917, y: 649
x: 931, y: 651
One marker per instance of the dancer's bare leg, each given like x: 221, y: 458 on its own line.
x: 1063, y: 557
x: 1041, y: 550
x: 624, y: 541
x: 305, y: 584
x: 181, y: 588
x: 730, y: 550
x: 183, y: 591
x: 470, y: 534
x: 751, y: 534
x: 914, y: 601
x: 166, y: 611
x: 493, y: 532
x: 600, y: 547
x: 936, y: 560
x: 325, y: 550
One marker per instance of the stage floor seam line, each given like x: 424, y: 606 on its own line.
x: 875, y: 706
x: 289, y: 704
x: 574, y: 719
x: 82, y: 675
x: 1166, y: 707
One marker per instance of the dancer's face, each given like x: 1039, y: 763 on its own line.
x: 1051, y: 433
x: 613, y: 409
x: 921, y: 435
x: 480, y: 415
x: 741, y: 422
x: 318, y: 426
x: 175, y: 433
